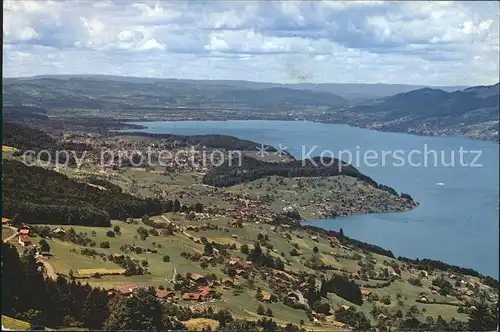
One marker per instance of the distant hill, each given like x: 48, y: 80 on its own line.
x: 112, y: 93
x: 175, y: 90
x: 472, y: 112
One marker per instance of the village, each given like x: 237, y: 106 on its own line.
x: 217, y: 264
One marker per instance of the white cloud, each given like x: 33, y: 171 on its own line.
x: 350, y: 41
x: 151, y: 44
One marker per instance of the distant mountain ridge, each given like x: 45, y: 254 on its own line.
x: 346, y: 90
x: 472, y: 112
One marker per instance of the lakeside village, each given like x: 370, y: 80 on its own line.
x: 183, y: 158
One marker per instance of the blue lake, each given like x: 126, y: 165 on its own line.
x: 458, y: 218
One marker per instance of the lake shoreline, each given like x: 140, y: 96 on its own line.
x: 305, y: 120
x: 445, y: 229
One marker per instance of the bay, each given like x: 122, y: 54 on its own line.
x: 457, y: 221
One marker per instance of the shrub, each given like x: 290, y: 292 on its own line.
x: 104, y: 245
x: 260, y: 310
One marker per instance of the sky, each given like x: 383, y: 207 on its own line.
x: 423, y: 43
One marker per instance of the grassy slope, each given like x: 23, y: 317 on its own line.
x: 15, y: 324
x: 244, y: 305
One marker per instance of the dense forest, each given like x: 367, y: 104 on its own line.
x: 38, y: 195
x: 26, y: 138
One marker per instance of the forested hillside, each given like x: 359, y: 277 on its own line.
x: 215, y: 141
x: 26, y: 138
x: 39, y: 195
x: 230, y: 173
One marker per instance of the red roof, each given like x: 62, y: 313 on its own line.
x: 205, y: 291
x: 126, y: 289
x: 24, y: 238
x: 163, y: 293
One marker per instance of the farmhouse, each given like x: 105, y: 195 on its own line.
x: 239, y: 262
x: 266, y: 297
x: 126, y: 290
x: 228, y: 281
x: 164, y: 294
x: 423, y: 298
x: 198, y: 278
x: 206, y: 292
x: 59, y: 230
x: 25, y: 230
x: 24, y: 240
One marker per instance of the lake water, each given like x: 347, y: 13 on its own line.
x: 457, y: 221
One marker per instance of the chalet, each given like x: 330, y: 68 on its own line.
x: 235, y: 261
x: 164, y: 294
x: 423, y: 298
x: 198, y: 278
x: 303, y: 284
x: 314, y: 238
x: 366, y: 292
x: 207, y: 258
x: 266, y: 297
x: 354, y: 275
x: 117, y: 255
x: 228, y: 281
x: 24, y: 240
x: 300, y: 252
x: 59, y: 230
x: 346, y: 307
x: 191, y: 296
x: 206, y: 292
x: 126, y: 290
x: 469, y: 293
x: 25, y: 230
